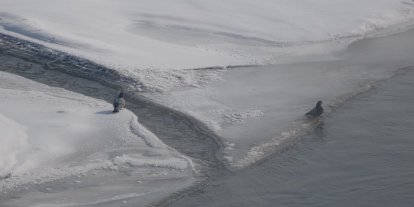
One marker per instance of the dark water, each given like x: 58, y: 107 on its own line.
x: 362, y: 155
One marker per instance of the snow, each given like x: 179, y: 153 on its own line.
x: 53, y: 135
x: 252, y: 108
x: 59, y: 148
x: 14, y: 141
x: 178, y: 34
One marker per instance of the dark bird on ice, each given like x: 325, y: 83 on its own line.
x: 316, y: 111
x: 119, y: 102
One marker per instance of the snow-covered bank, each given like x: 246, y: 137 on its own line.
x: 130, y: 35
x: 60, y: 148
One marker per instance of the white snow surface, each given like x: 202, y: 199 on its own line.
x: 53, y: 135
x: 13, y: 142
x: 135, y: 34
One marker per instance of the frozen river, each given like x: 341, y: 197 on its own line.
x: 360, y: 155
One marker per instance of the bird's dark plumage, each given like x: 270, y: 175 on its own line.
x: 316, y: 111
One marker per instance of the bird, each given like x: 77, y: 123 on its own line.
x: 316, y: 111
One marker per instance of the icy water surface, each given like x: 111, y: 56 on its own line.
x: 362, y: 155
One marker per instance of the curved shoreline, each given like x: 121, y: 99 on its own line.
x: 172, y: 127
x: 79, y: 68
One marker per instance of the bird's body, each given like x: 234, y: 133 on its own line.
x: 119, y: 103
x: 316, y: 111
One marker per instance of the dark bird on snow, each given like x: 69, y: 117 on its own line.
x: 316, y: 111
